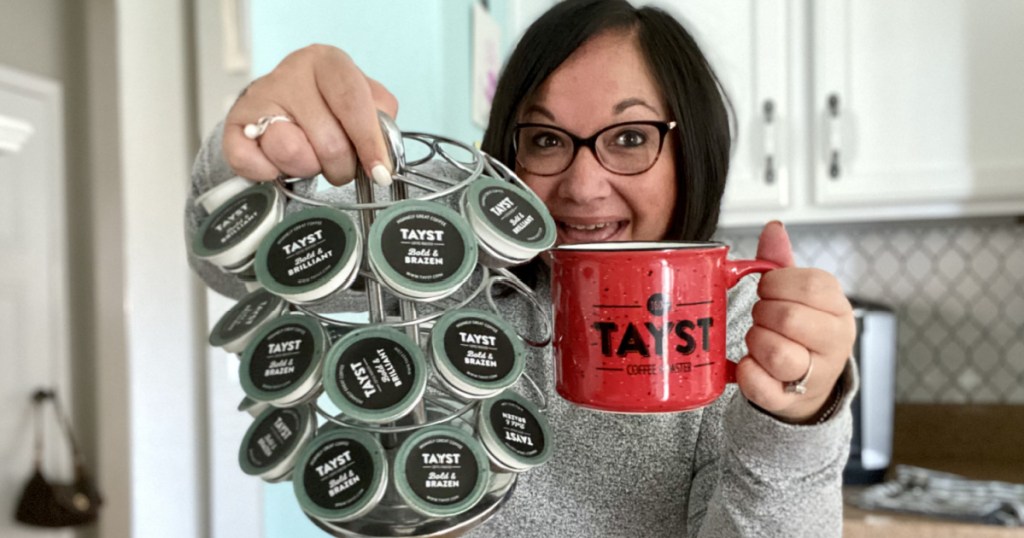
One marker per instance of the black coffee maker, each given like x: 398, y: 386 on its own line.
x: 875, y: 353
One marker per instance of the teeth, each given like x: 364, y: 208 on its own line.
x: 587, y: 227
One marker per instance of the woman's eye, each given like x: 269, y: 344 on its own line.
x: 630, y: 139
x: 546, y: 140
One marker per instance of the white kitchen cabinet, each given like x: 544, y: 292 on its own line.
x: 882, y: 110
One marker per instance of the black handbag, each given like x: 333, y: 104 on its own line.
x: 45, y: 503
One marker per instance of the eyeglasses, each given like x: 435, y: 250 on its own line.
x: 627, y: 149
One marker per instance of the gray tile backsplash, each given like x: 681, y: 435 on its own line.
x: 957, y: 287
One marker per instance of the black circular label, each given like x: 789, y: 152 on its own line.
x: 274, y: 438
x: 281, y: 358
x: 245, y: 315
x: 338, y: 474
x: 306, y: 251
x: 511, y: 214
x: 235, y: 220
x: 479, y: 349
x: 375, y: 373
x: 423, y: 247
x: 441, y: 470
x: 517, y: 428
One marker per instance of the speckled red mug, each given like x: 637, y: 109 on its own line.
x: 640, y: 326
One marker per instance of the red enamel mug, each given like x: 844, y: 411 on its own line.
x: 640, y: 326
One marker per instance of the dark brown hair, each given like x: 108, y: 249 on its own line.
x: 686, y: 80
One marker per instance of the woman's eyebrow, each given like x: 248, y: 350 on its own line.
x: 539, y: 110
x: 621, y: 106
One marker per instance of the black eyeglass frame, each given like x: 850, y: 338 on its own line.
x: 663, y: 127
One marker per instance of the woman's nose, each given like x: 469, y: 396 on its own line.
x: 585, y: 180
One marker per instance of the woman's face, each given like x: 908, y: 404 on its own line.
x: 604, y: 82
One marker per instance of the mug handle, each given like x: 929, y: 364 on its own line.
x: 734, y: 271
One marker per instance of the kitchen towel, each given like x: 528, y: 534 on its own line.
x: 935, y: 493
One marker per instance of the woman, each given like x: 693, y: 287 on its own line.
x: 589, y: 78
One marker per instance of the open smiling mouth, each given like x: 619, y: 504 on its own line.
x: 589, y: 233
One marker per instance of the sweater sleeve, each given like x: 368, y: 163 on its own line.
x: 754, y: 475
x: 209, y: 170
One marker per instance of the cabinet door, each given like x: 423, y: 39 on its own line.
x: 918, y: 101
x: 745, y: 42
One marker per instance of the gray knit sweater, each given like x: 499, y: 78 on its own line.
x: 725, y: 470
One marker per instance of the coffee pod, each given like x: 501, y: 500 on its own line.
x: 230, y: 236
x: 375, y: 374
x: 273, y: 441
x: 511, y: 224
x: 421, y: 250
x: 476, y: 353
x: 217, y: 196
x: 514, y: 432
x: 341, y: 475
x: 241, y: 322
x: 309, y: 255
x: 441, y: 471
x: 282, y: 364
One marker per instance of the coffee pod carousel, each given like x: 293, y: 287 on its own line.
x: 415, y: 422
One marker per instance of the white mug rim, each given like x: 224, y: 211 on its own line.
x: 639, y: 246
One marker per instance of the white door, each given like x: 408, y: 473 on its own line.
x: 34, y: 330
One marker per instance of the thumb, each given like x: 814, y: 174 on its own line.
x: 774, y: 245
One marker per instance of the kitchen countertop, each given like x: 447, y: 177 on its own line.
x: 979, y: 442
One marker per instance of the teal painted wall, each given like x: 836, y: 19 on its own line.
x: 421, y: 51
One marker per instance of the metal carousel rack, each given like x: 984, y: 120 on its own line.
x: 413, y: 180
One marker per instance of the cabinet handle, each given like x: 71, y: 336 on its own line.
x: 769, y: 141
x: 834, y: 136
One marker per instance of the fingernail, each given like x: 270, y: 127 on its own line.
x: 381, y: 175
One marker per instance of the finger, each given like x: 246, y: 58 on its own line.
x: 285, y: 144
x: 774, y: 245
x: 758, y: 386
x: 386, y: 102
x: 816, y: 330
x: 808, y: 286
x: 245, y: 157
x: 782, y: 358
x: 354, y: 106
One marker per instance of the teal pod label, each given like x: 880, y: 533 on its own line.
x: 237, y: 218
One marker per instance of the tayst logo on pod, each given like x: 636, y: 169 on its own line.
x: 479, y: 349
x: 272, y: 437
x: 375, y: 373
x: 281, y: 358
x: 517, y: 428
x: 441, y: 470
x: 234, y: 219
x: 419, y: 247
x: 306, y: 251
x: 509, y: 212
x: 339, y: 473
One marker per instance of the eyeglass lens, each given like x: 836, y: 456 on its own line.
x: 623, y: 149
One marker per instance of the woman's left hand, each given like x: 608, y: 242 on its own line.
x: 802, y: 320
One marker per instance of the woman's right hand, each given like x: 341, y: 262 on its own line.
x: 334, y: 108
